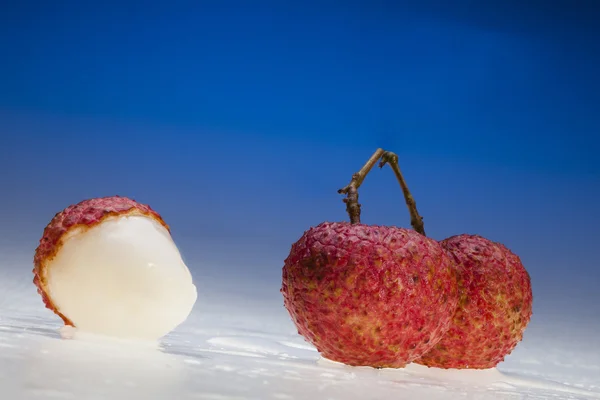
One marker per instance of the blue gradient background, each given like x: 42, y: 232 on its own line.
x: 239, y: 121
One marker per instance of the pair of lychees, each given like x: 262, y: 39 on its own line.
x: 384, y: 296
x: 363, y: 295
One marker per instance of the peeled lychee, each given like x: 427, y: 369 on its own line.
x: 109, y: 266
x: 495, y: 305
x: 367, y: 295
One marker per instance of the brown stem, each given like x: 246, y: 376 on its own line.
x: 415, y: 219
x: 351, y: 190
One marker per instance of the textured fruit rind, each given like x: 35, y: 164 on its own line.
x: 495, y: 305
x: 368, y: 295
x: 84, y: 214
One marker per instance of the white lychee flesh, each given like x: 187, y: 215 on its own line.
x: 122, y: 277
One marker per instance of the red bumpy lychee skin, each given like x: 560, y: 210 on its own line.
x: 495, y: 305
x: 368, y: 295
x: 85, y: 214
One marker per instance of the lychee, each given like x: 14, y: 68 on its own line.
x: 495, y: 305
x: 367, y: 295
x: 110, y: 266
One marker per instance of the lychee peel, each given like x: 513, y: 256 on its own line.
x: 495, y: 305
x: 116, y: 256
x: 367, y: 295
